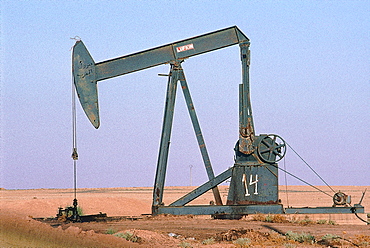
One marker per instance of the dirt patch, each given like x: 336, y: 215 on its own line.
x: 199, y: 229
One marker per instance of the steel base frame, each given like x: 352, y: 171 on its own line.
x: 233, y: 210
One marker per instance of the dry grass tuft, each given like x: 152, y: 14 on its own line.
x: 271, y: 218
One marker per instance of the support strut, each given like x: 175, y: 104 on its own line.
x: 165, y: 137
x: 177, y: 74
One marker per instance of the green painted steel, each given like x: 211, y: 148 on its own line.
x: 199, y: 136
x: 177, y: 74
x: 236, y: 210
x: 324, y: 210
x: 166, y: 136
x: 251, y: 184
x: 254, y: 175
x: 246, y: 125
x: 179, y: 50
x: 87, y: 73
x: 231, y: 210
x: 84, y: 77
x: 203, y: 188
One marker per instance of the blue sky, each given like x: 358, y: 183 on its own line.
x: 310, y: 70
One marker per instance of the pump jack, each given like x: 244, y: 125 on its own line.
x: 254, y: 175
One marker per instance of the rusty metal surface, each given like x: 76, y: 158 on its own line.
x: 254, y: 176
x: 84, y: 77
x: 87, y: 73
x: 253, y: 185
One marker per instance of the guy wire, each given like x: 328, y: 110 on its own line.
x: 301, y: 179
x: 310, y: 167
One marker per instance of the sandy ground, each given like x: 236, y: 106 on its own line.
x: 18, y: 229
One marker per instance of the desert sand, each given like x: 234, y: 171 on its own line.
x: 20, y: 229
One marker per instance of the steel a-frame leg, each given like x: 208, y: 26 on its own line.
x: 177, y: 74
x: 199, y: 135
x: 164, y: 146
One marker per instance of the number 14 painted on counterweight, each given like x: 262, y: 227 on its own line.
x: 251, y: 182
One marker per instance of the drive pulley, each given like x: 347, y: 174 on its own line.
x: 271, y: 148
